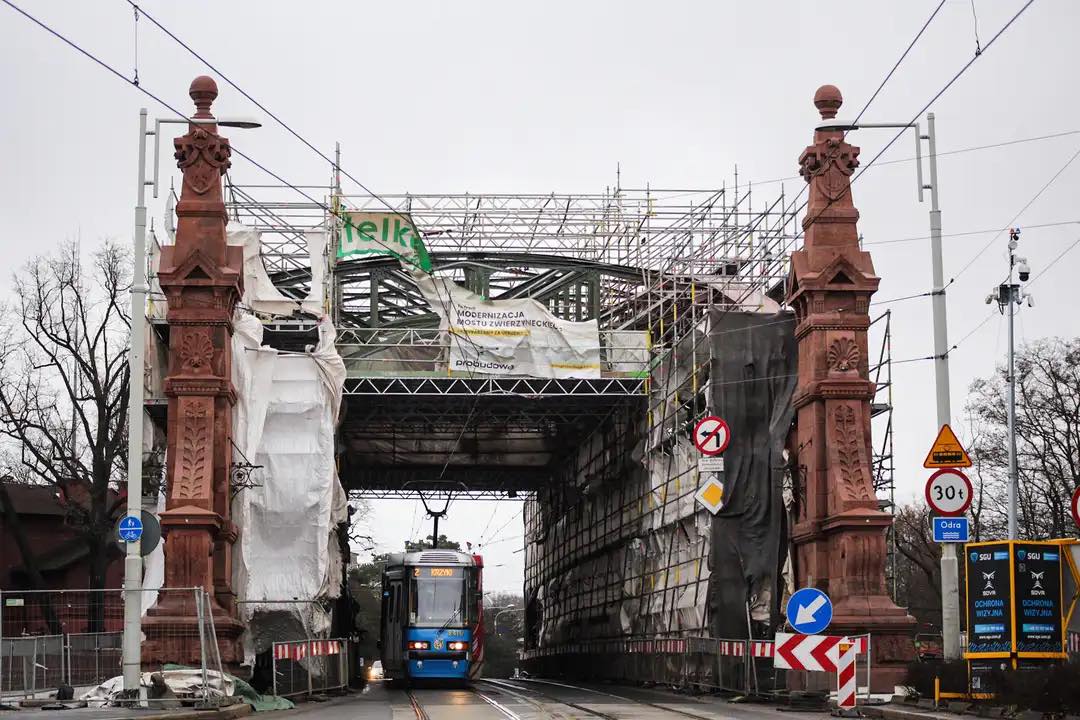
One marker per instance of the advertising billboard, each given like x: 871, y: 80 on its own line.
x: 989, y: 596
x: 1038, y: 602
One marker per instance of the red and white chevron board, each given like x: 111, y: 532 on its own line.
x: 308, y: 648
x: 817, y: 653
x: 846, y: 687
x: 1074, y: 642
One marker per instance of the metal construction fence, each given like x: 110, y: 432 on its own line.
x: 310, y: 667
x: 703, y: 663
x: 50, y: 638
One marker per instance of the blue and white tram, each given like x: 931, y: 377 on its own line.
x: 432, y: 617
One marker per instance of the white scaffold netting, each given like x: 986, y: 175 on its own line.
x: 285, y: 418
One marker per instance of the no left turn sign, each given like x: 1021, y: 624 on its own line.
x: 711, y: 435
x: 948, y: 492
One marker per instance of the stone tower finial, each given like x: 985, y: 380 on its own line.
x: 828, y: 100
x: 203, y: 91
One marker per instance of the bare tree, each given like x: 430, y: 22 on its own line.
x: 918, y: 564
x: 1048, y: 440
x: 64, y: 386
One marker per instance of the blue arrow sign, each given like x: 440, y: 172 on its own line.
x: 809, y: 611
x: 951, y: 529
x: 130, y: 529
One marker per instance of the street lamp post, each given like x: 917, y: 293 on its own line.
x: 508, y: 609
x: 950, y: 582
x: 133, y: 567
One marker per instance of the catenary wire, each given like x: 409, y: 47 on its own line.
x: 918, y: 114
x: 1016, y: 217
x: 86, y: 53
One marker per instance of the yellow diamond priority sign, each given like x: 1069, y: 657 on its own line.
x: 711, y: 495
x: 947, y: 452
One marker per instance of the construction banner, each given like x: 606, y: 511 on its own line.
x: 382, y: 233
x: 510, y: 337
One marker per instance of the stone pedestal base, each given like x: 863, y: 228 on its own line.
x: 172, y: 625
x: 172, y: 633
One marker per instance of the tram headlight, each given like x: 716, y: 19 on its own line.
x: 419, y: 645
x: 458, y: 645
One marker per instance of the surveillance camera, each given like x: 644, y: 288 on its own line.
x: 1030, y: 300
x: 1024, y: 269
x: 990, y: 298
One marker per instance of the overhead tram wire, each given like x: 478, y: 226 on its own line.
x: 1016, y: 217
x: 141, y: 88
x: 882, y: 163
x: 995, y: 313
x: 986, y: 231
x: 924, y: 108
x: 865, y: 107
x: 299, y: 137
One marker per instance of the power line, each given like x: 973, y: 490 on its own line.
x: 1016, y: 217
x: 75, y: 46
x: 1027, y: 227
x: 902, y: 56
x: 916, y: 116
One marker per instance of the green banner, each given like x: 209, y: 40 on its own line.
x: 382, y: 233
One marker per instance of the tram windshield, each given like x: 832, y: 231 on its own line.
x: 439, y: 596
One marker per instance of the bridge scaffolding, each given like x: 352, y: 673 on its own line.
x: 616, y: 544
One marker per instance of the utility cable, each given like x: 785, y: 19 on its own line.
x: 902, y: 56
x: 1027, y: 227
x: 918, y: 114
x: 1016, y: 217
x: 86, y: 53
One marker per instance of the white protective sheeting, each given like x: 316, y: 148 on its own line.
x: 285, y: 420
x: 260, y: 294
x: 186, y: 683
x: 510, y: 337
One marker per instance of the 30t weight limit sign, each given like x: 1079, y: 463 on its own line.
x: 948, y: 492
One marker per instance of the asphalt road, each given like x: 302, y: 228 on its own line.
x: 484, y: 700
x: 526, y: 700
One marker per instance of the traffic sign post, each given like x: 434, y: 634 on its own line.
x: 809, y: 611
x: 130, y: 529
x: 951, y: 529
x: 948, y: 492
x: 947, y: 452
x: 711, y: 435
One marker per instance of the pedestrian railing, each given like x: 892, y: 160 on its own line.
x: 50, y: 638
x: 310, y: 667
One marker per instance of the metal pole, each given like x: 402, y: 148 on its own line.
x: 941, y: 332
x: 132, y: 642
x: 950, y: 584
x: 1013, y: 480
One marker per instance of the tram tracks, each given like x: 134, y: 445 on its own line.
x: 542, y: 700
x: 531, y: 686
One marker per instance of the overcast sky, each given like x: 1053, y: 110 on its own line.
x: 539, y: 97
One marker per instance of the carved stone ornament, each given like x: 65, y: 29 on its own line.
x: 202, y: 157
x: 843, y: 355
x: 192, y: 479
x: 196, y: 350
x: 846, y: 440
x: 833, y: 161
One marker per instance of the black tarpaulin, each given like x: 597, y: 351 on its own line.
x: 752, y: 379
